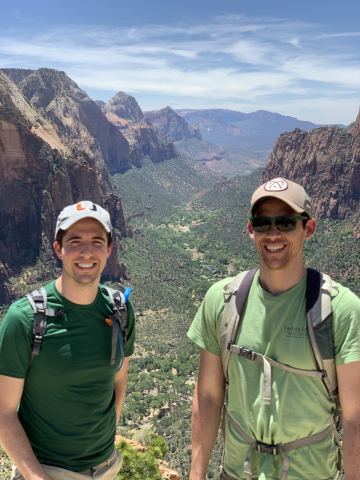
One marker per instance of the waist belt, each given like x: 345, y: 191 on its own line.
x: 276, y: 449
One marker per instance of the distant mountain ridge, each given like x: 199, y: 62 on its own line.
x: 260, y: 122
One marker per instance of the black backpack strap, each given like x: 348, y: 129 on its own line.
x: 118, y: 319
x: 38, y: 302
x: 312, y: 288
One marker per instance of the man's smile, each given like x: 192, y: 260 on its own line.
x: 274, y: 248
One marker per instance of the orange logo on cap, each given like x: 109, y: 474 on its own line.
x: 80, y: 207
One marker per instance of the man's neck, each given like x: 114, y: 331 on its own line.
x: 279, y: 281
x: 82, y: 294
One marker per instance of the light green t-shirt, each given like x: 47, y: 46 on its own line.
x: 68, y: 405
x: 300, y: 406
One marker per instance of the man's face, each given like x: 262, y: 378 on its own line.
x: 279, y: 250
x: 84, y: 251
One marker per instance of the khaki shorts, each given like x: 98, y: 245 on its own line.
x: 107, y: 470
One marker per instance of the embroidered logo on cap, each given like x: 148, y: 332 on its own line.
x: 276, y: 185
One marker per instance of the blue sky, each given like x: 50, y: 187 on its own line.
x: 295, y: 58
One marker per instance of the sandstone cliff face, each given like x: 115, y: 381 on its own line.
x: 124, y: 112
x: 78, y: 119
x: 39, y: 175
x: 175, y: 127
x: 326, y: 162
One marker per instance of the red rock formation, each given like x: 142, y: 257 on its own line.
x: 59, y: 99
x: 39, y: 175
x: 175, y: 127
x: 326, y: 161
x: 124, y: 112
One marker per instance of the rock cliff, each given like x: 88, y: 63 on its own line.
x: 175, y: 127
x: 124, y: 112
x: 40, y: 173
x: 78, y: 118
x: 326, y: 162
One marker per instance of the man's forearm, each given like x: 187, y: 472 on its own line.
x: 206, y: 417
x: 17, y: 446
x: 351, y: 450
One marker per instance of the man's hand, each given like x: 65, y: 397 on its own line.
x: 349, y: 391
x: 12, y: 435
x: 206, y: 414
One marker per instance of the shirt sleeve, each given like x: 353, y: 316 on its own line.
x: 205, y: 328
x: 346, y: 327
x: 130, y: 322
x: 15, y: 343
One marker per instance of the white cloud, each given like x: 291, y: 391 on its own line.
x: 233, y: 60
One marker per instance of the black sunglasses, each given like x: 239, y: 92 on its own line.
x: 284, y: 223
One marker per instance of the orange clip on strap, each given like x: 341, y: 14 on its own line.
x: 108, y: 321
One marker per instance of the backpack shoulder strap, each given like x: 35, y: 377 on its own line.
x: 38, y: 302
x: 235, y: 296
x: 118, y: 320
x: 319, y: 325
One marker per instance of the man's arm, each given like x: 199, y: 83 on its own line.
x: 349, y: 391
x: 12, y: 435
x: 120, y: 387
x: 206, y: 413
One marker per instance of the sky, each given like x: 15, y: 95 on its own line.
x: 295, y: 58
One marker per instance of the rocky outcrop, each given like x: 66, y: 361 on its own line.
x: 175, y: 127
x: 78, y: 119
x: 17, y: 75
x: 124, y: 112
x: 39, y: 175
x: 124, y: 106
x: 326, y: 162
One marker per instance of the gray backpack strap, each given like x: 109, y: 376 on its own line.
x: 118, y: 318
x: 230, y: 322
x: 319, y: 324
x: 38, y: 302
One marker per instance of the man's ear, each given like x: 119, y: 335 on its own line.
x: 251, y: 231
x: 310, y: 228
x: 57, y: 249
x: 110, y: 247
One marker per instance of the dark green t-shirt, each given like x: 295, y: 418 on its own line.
x: 68, y: 404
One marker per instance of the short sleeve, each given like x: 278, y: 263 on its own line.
x: 346, y: 327
x: 130, y: 322
x: 205, y: 328
x: 15, y: 343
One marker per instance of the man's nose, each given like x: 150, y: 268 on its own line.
x: 86, y: 249
x: 273, y: 231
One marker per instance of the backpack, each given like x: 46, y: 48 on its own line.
x: 118, y: 299
x: 319, y: 327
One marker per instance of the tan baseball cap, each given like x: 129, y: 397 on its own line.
x: 84, y: 209
x: 289, y: 192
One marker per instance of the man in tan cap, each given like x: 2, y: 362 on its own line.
x: 272, y: 341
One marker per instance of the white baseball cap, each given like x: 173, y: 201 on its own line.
x: 84, y: 209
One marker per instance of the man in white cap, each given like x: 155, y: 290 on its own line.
x: 61, y: 391
x: 272, y: 340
